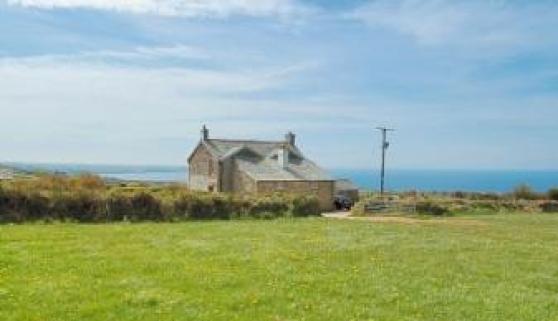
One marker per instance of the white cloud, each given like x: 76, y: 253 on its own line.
x: 92, y: 71
x: 132, y: 114
x: 70, y: 98
x: 131, y: 56
x: 476, y: 23
x: 187, y: 8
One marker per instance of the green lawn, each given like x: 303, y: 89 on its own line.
x: 499, y: 267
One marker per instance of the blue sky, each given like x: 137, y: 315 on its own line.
x: 468, y: 84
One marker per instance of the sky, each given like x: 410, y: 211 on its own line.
x: 466, y: 84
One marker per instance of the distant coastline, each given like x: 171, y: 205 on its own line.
x: 397, y: 179
x: 9, y: 172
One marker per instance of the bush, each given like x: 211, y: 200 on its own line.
x: 35, y: 207
x: 201, y: 208
x: 80, y: 207
x: 119, y: 208
x: 525, y: 192
x: 278, y: 206
x: 306, y: 206
x: 144, y: 207
x: 488, y: 196
x: 206, y: 207
x: 222, y: 207
x: 87, y: 182
x: 553, y: 194
x: 432, y: 208
x: 86, y: 198
x: 10, y: 206
x: 16, y: 206
x: 459, y: 194
x: 181, y: 207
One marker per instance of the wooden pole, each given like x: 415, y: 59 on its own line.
x: 385, y: 145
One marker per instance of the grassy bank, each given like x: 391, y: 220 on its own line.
x: 521, y: 200
x: 498, y: 267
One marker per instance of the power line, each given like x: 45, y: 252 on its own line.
x: 385, y: 145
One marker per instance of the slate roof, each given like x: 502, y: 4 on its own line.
x: 345, y: 184
x: 258, y: 159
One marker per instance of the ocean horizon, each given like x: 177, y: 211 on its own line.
x: 396, y: 179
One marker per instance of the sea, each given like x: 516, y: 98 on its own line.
x: 498, y: 181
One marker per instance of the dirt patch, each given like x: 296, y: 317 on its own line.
x: 406, y: 219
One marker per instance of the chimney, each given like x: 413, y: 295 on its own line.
x: 204, y: 133
x: 283, y: 156
x: 290, y: 138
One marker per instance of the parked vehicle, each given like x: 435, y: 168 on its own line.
x: 342, y: 202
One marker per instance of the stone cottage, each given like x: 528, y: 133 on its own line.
x: 258, y: 167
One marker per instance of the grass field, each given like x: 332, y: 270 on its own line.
x: 497, y: 267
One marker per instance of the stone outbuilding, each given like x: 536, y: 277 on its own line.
x: 347, y: 188
x: 257, y: 167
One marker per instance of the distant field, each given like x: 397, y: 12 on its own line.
x: 494, y: 267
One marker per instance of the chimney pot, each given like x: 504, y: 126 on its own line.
x: 204, y: 133
x: 290, y: 138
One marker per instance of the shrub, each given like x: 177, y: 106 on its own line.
x: 35, y: 207
x: 429, y: 207
x: 53, y: 183
x: 222, y: 208
x: 553, y: 194
x: 145, y: 207
x: 209, y: 206
x: 272, y: 204
x: 241, y: 207
x: 200, y: 208
x: 305, y: 206
x: 487, y: 196
x: 4, y: 199
x: 16, y: 206
x: 87, y: 199
x: 9, y: 206
x: 87, y: 182
x: 181, y: 207
x: 118, y: 207
x: 459, y: 194
x: 204, y: 206
x: 81, y: 207
x: 524, y: 192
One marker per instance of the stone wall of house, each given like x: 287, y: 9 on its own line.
x: 242, y: 183
x: 322, y: 189
x: 227, y: 175
x: 203, y: 171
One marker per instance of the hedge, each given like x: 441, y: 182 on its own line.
x: 58, y: 199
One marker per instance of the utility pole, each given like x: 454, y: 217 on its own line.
x: 385, y: 145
